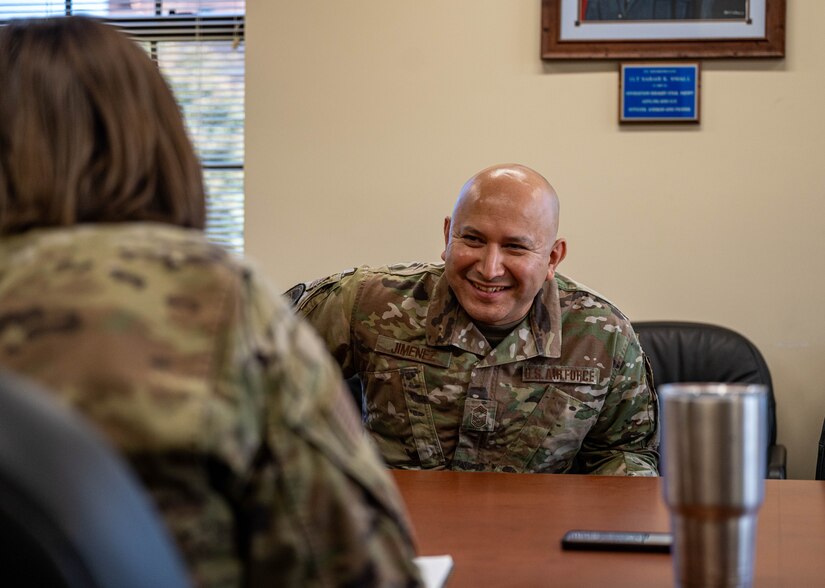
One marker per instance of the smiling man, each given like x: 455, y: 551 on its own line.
x: 491, y: 361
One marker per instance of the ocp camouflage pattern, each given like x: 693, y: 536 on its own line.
x: 568, y: 390
x: 228, y: 407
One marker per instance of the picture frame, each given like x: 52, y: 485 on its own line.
x: 572, y: 29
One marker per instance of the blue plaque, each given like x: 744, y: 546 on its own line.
x: 666, y: 92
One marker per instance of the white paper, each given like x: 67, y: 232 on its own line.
x: 435, y: 569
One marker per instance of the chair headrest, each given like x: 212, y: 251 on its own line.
x: 698, y: 352
x: 78, y: 502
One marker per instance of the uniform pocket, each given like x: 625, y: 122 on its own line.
x: 399, y: 418
x: 553, y: 433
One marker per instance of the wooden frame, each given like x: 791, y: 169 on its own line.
x: 565, y: 35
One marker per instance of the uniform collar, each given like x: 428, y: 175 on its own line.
x: 539, y: 334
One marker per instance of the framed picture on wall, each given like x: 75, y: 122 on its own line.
x: 644, y: 29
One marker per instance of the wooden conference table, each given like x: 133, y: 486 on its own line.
x: 505, y: 529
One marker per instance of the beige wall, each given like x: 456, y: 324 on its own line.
x: 365, y: 117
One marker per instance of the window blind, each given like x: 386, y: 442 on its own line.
x: 199, y: 47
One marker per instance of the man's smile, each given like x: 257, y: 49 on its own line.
x: 487, y: 289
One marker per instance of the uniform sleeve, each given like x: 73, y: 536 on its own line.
x: 321, y: 508
x: 624, y: 441
x: 327, y: 304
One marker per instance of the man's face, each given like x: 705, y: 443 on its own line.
x: 499, y: 251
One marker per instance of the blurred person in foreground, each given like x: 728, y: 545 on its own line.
x: 491, y: 361
x: 227, y: 406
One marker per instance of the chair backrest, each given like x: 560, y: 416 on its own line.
x: 72, y: 514
x: 699, y: 352
x: 820, y: 456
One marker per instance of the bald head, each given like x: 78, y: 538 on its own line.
x: 525, y: 189
x: 500, y: 243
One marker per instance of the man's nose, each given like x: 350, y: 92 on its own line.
x: 490, y: 266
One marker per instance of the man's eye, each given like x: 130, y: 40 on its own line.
x: 471, y: 239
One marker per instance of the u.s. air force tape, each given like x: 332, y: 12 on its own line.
x: 560, y: 374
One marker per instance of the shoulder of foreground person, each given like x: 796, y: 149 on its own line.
x: 332, y: 504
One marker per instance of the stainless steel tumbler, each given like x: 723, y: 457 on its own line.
x: 714, y: 459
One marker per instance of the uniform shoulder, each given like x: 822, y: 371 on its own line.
x: 301, y: 293
x: 169, y: 248
x: 146, y: 260
x: 411, y: 269
x: 185, y: 252
x: 580, y: 296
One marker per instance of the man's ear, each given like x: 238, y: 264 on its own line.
x: 557, y: 255
x: 446, y: 237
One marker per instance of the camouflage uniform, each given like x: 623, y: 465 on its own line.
x: 227, y: 407
x: 566, y: 391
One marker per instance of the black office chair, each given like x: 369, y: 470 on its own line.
x: 72, y: 514
x: 820, y: 457
x: 699, y: 352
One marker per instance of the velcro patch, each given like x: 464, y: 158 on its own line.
x: 412, y: 351
x: 560, y: 374
x: 293, y: 295
x: 479, y: 415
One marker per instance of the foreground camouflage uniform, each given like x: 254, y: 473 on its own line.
x: 226, y: 406
x: 566, y: 391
